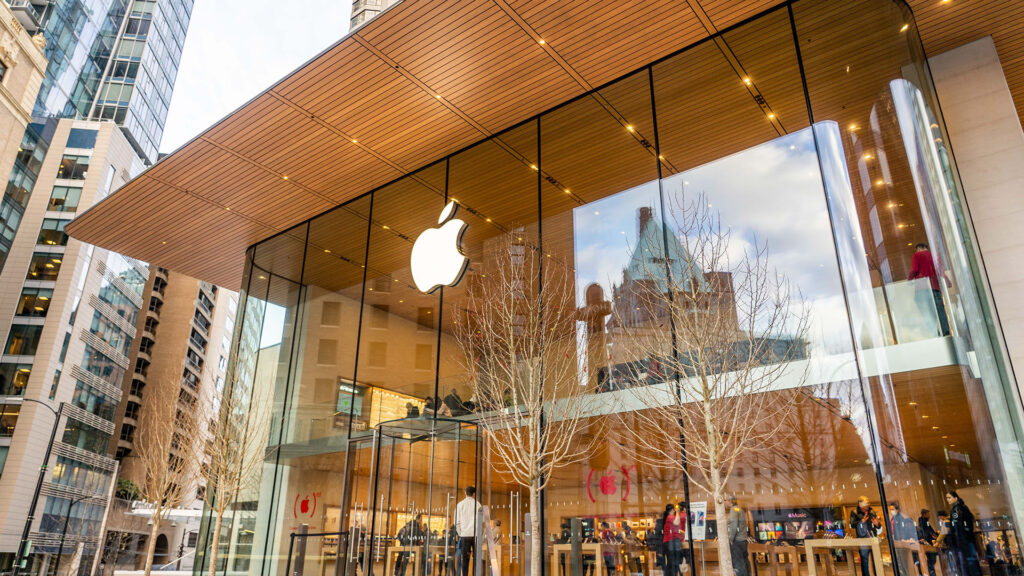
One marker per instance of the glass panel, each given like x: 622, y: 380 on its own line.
x: 940, y: 399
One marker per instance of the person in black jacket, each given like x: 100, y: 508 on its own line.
x: 903, y: 529
x: 864, y: 523
x: 410, y: 535
x: 961, y: 535
x: 926, y: 534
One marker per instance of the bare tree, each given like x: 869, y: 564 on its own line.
x: 721, y: 329
x: 167, y: 458
x: 518, y: 338
x: 238, y: 439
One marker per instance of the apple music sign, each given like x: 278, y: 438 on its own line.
x: 437, y: 258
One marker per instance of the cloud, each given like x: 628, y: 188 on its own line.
x: 235, y: 49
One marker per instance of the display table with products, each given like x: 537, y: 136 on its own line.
x: 594, y: 549
x: 852, y: 545
x: 906, y: 550
x: 783, y: 560
x: 414, y: 556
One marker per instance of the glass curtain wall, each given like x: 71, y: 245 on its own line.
x: 810, y: 140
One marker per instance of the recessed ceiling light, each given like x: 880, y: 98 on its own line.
x: 629, y: 127
x: 326, y: 251
x: 746, y: 81
x: 284, y: 177
x: 541, y: 41
x: 771, y: 115
x: 905, y: 27
x: 354, y: 140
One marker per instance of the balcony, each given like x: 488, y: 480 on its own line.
x: 28, y: 14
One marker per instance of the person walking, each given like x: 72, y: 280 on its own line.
x: 922, y: 266
x: 961, y: 535
x: 864, y: 523
x: 927, y: 535
x: 465, y: 526
x: 737, y: 526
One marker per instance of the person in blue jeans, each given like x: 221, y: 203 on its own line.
x: 962, y: 540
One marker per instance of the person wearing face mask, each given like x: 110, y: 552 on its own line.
x: 961, y: 539
x: 864, y: 523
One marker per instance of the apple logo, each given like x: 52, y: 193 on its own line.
x: 607, y: 484
x: 437, y: 258
x: 304, y: 505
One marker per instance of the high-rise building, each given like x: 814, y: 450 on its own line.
x: 108, y: 60
x: 364, y: 10
x: 69, y: 332
x: 181, y: 351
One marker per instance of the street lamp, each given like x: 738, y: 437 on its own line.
x: 22, y: 554
x: 60, y: 549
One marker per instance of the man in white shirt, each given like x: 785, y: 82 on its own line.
x: 465, y: 526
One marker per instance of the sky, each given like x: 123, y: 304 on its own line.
x: 237, y: 48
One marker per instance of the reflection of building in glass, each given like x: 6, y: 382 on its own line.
x: 641, y: 302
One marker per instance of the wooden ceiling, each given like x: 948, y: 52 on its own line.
x: 418, y: 83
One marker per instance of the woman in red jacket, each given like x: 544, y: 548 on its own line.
x: 675, y: 530
x: 927, y: 295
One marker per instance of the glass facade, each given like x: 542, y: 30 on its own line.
x: 798, y: 131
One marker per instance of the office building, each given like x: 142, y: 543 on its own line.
x: 845, y: 135
x: 107, y: 60
x: 183, y: 346
x: 67, y: 346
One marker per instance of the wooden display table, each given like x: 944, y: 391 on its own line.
x: 413, y: 551
x: 850, y: 544
x: 783, y: 560
x: 592, y: 548
x: 906, y: 549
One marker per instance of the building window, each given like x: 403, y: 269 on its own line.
x: 8, y: 419
x: 82, y: 138
x: 378, y: 355
x: 327, y: 352
x: 14, y: 378
x: 3, y: 458
x: 424, y: 357
x: 73, y: 167
x: 51, y: 233
x: 64, y: 199
x: 23, y: 339
x: 3, y: 71
x: 44, y: 266
x: 330, y: 314
x: 34, y: 302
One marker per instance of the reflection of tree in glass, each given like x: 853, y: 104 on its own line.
x: 518, y: 340
x: 719, y: 331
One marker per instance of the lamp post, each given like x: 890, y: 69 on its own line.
x: 22, y: 554
x: 60, y: 549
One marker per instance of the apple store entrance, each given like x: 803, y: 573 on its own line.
x: 402, y: 484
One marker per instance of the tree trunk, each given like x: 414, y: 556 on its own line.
x: 537, y: 540
x: 722, y: 523
x: 215, y: 546
x: 151, y: 544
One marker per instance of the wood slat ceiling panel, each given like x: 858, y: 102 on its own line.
x: 725, y: 13
x: 379, y: 86
x: 599, y: 43
x: 474, y: 50
x: 764, y: 50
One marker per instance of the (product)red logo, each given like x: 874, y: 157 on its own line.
x: 609, y: 483
x: 303, y: 506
